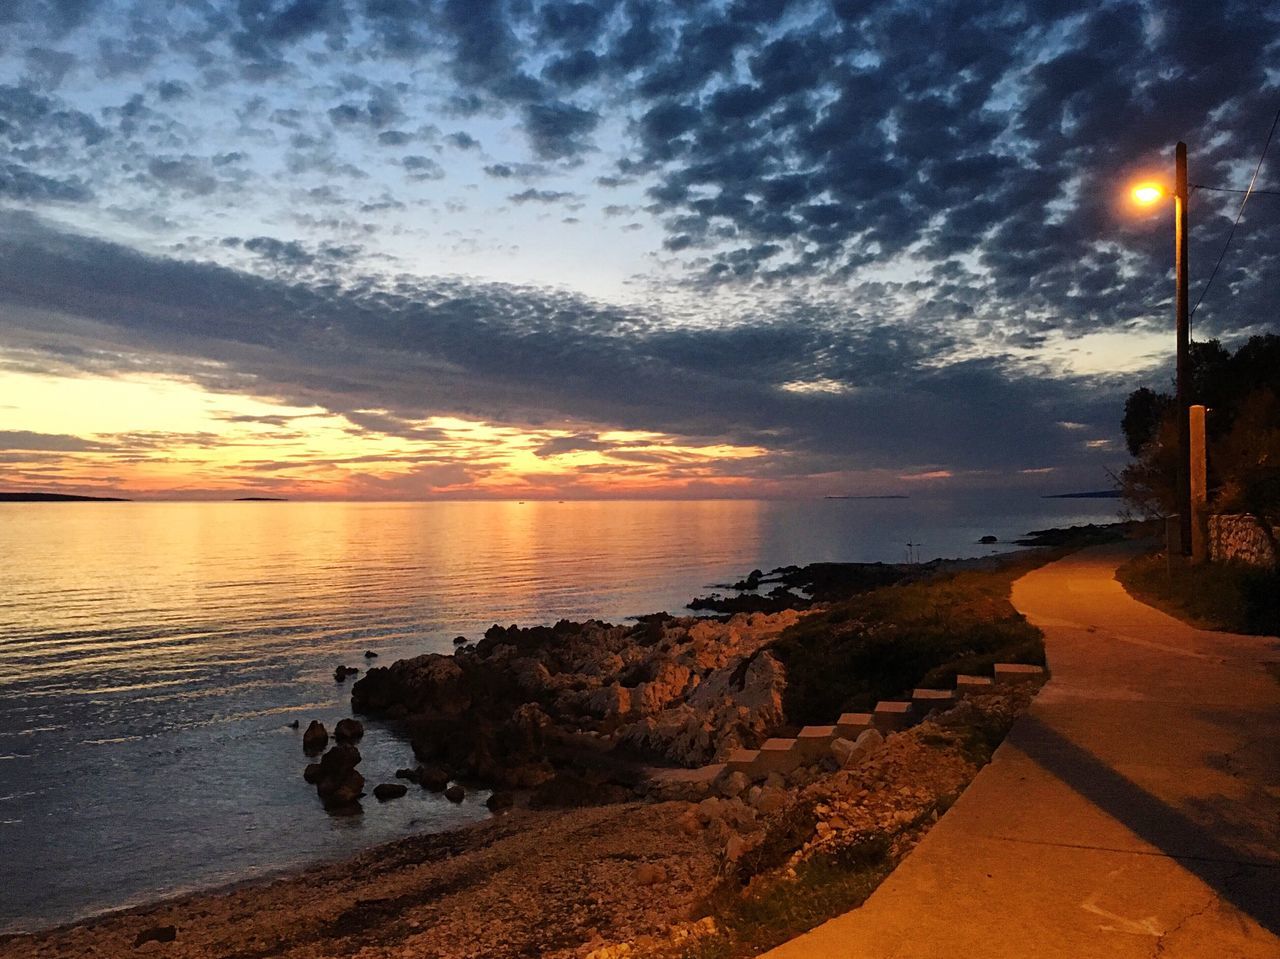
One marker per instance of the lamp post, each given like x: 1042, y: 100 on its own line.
x: 1148, y: 193
x: 1181, y: 196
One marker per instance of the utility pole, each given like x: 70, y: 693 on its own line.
x: 1181, y: 197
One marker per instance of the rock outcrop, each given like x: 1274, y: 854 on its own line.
x: 513, y: 707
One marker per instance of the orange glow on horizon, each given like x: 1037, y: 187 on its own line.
x: 151, y: 436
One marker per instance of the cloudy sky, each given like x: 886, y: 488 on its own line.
x: 423, y: 248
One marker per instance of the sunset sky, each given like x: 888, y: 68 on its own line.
x: 403, y: 249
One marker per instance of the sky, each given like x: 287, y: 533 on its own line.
x: 416, y: 249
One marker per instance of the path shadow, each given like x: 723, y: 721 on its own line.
x: 1235, y: 871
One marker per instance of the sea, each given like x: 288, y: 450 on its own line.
x: 153, y: 655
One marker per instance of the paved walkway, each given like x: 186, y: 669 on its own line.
x: 1134, y: 811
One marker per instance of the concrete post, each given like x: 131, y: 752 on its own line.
x: 1199, y: 488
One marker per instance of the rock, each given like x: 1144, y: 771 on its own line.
x: 384, y: 791
x: 608, y: 701
x: 337, y: 783
x: 342, y: 672
x: 410, y: 774
x: 771, y: 800
x: 430, y: 682
x: 733, y: 784
x: 841, y: 750
x: 499, y: 801
x: 341, y: 790
x: 156, y: 934
x: 988, y: 540
x: 348, y: 731
x: 709, y: 809
x: 849, y: 754
x: 312, y: 773
x: 294, y: 725
x: 689, y: 823
x: 869, y: 740
x: 315, y: 738
x: 339, y: 759
x: 435, y: 778
x: 650, y: 874
x: 735, y: 847
x: 455, y: 793
x: 370, y: 654
x: 459, y: 640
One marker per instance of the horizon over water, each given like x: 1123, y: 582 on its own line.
x: 152, y: 653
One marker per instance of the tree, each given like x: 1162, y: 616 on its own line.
x: 1242, y: 393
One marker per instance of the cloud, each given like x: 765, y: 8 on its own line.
x: 559, y: 130
x: 19, y: 183
x: 540, y: 196
x: 419, y: 167
x: 520, y: 356
x: 11, y: 440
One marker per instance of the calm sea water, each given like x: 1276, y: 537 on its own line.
x: 153, y: 654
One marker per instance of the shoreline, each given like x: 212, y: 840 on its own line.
x: 446, y: 839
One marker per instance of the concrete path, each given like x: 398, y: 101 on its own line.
x: 1134, y: 811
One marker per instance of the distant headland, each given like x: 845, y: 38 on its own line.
x: 888, y: 496
x: 1095, y: 494
x: 260, y: 499
x: 58, y: 498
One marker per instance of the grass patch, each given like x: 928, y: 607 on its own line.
x: 1230, y: 596
x: 882, y: 644
x: 823, y: 887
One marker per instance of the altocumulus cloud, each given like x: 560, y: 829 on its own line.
x: 871, y: 214
x: 534, y: 357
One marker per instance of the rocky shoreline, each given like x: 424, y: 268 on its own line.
x: 614, y: 834
x: 659, y: 878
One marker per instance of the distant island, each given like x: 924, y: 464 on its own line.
x: 58, y: 498
x: 260, y: 499
x: 888, y: 496
x: 1095, y: 494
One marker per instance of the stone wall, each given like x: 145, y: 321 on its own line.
x: 1241, y: 539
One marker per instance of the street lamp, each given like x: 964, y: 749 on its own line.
x: 1147, y: 194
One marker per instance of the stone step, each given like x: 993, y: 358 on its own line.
x: 973, y: 684
x: 851, y: 725
x: 1018, y: 673
x: 776, y: 756
x: 741, y: 761
x: 927, y: 700
x: 814, y: 742
x: 891, y: 715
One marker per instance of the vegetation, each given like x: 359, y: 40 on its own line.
x: 1230, y: 596
x: 881, y: 644
x: 1242, y: 393
x: 823, y: 887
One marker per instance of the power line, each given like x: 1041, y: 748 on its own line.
x: 1239, y: 213
x: 1223, y: 189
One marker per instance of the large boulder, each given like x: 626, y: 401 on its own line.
x: 315, y: 739
x: 348, y: 731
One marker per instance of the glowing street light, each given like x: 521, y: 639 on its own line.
x: 1146, y: 194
